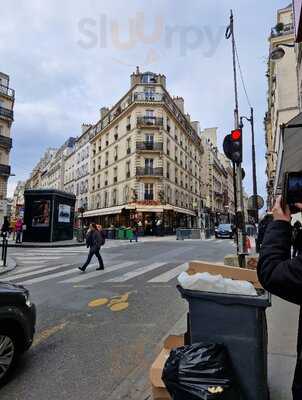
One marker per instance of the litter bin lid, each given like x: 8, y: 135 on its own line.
x: 263, y: 300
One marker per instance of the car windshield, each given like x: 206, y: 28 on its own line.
x: 225, y: 226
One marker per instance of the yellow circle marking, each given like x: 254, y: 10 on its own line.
x: 119, y: 306
x: 98, y: 302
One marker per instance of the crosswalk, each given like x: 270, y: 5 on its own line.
x: 59, y: 266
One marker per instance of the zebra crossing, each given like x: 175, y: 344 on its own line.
x: 59, y: 266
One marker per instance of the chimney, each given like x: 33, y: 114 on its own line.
x: 188, y: 117
x: 179, y: 101
x: 103, y: 111
x: 85, y: 127
x: 137, y: 70
x: 196, y: 126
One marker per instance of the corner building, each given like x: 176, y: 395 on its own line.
x: 146, y: 160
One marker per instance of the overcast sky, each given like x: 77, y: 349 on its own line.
x: 66, y: 59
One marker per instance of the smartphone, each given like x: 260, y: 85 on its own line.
x: 292, y: 191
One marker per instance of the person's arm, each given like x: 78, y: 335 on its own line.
x: 277, y: 272
x: 88, y: 239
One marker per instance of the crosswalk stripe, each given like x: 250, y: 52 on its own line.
x: 19, y: 270
x: 140, y: 271
x: 93, y: 274
x: 167, y: 276
x: 41, y: 271
x: 30, y: 258
x: 51, y: 276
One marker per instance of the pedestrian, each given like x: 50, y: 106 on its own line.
x: 5, y: 228
x: 263, y: 224
x: 94, y: 240
x: 297, y: 238
x: 282, y: 275
x: 134, y: 229
x: 19, y: 228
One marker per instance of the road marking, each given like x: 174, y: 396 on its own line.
x: 167, y: 276
x: 93, y: 274
x: 50, y: 276
x: 44, y: 335
x: 19, y: 270
x: 117, y: 303
x: 31, y: 259
x: 41, y: 271
x: 132, y: 274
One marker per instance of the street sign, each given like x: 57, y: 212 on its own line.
x: 258, y: 202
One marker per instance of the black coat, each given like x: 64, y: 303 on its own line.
x: 94, y: 239
x: 282, y: 276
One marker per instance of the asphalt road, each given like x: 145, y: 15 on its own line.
x: 94, y: 330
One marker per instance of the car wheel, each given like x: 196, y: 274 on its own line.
x: 8, y: 353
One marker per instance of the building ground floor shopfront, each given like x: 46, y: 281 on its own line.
x: 153, y: 219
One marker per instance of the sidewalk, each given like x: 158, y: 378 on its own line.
x: 10, y: 265
x: 62, y: 243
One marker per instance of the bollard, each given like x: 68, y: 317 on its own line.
x: 5, y: 252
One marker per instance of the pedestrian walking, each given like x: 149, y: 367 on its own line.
x: 134, y: 229
x: 19, y: 228
x: 95, y: 239
x: 282, y: 275
x: 5, y: 228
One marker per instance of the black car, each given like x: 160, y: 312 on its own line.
x: 224, y: 231
x: 17, y: 325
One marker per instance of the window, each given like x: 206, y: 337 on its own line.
x: 149, y: 138
x: 1, y: 130
x: 106, y: 199
x: 168, y: 170
x: 149, y: 165
x: 168, y: 147
x: 126, y: 194
x: 148, y: 192
x: 128, y: 146
x: 114, y: 197
x: 128, y: 169
x: 115, y: 153
x: 115, y: 175
x: 106, y: 158
x: 148, y: 78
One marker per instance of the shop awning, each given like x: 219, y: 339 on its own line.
x: 156, y: 209
x: 180, y: 210
x: 103, y: 211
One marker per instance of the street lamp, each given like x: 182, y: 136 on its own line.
x: 277, y: 52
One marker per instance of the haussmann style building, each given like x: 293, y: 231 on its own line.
x: 146, y: 160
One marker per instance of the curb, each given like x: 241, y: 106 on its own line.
x: 11, y: 265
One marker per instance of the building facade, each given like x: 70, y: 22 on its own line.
x: 146, y: 159
x: 18, y: 200
x: 282, y: 99
x: 7, y: 99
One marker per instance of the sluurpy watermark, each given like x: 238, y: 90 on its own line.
x: 103, y: 32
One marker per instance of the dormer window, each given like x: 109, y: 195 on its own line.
x: 148, y: 77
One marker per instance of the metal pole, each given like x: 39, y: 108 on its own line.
x: 239, y: 214
x: 255, y: 206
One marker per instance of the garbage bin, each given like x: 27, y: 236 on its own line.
x: 129, y: 234
x: 121, y: 234
x: 239, y: 322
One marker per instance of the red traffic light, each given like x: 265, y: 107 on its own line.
x: 236, y: 135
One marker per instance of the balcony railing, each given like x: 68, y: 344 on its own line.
x: 6, y: 142
x: 149, y: 146
x: 149, y: 121
x: 4, y: 170
x: 149, y: 171
x: 5, y: 112
x: 145, y: 96
x: 287, y: 30
x: 7, y: 91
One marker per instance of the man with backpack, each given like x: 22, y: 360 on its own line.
x: 94, y: 240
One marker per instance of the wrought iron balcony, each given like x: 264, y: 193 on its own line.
x: 5, y: 112
x: 148, y: 96
x: 149, y: 146
x: 149, y: 121
x: 149, y: 171
x: 4, y: 170
x: 6, y: 142
x: 7, y: 91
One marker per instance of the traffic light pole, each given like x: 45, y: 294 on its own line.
x: 240, y: 222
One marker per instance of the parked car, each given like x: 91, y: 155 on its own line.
x: 224, y: 231
x: 17, y: 325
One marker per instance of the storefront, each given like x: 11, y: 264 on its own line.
x: 151, y: 219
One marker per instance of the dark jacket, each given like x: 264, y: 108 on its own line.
x: 94, y: 239
x: 282, y: 276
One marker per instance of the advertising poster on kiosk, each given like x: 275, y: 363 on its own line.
x: 64, y: 213
x: 40, y: 213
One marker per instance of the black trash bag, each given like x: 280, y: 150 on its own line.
x: 200, y: 371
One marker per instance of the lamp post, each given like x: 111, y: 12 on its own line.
x: 277, y: 52
x: 251, y: 121
x: 81, y: 211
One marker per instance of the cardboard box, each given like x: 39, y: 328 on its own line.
x: 243, y: 274
x: 159, y: 390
